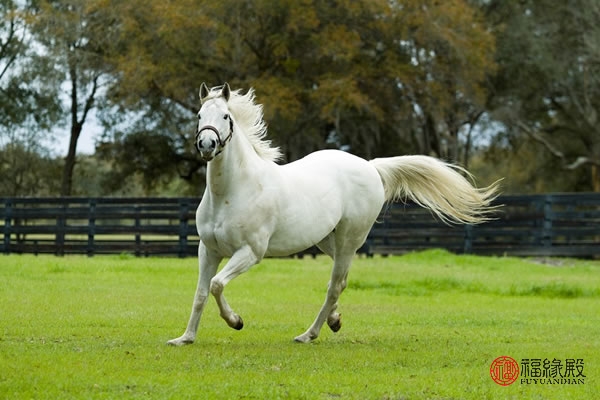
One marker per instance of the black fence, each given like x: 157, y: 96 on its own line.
x: 537, y: 225
x: 533, y: 225
x: 141, y: 226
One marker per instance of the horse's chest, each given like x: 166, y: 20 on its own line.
x: 218, y: 232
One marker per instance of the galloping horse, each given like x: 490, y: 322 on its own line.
x: 253, y: 207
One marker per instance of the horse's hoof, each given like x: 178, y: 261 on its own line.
x: 304, y: 338
x: 335, y: 324
x: 180, y: 342
x: 239, y: 324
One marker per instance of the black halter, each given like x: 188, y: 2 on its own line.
x: 223, y: 142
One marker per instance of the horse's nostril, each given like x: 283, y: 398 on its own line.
x: 206, y: 144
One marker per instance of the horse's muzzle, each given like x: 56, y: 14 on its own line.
x: 207, y: 142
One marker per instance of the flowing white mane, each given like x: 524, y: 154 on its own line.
x: 249, y: 117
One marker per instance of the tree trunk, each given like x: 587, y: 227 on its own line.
x: 76, y: 127
x: 595, y: 178
x: 70, y: 161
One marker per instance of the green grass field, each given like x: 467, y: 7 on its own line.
x: 422, y: 326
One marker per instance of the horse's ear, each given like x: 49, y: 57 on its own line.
x: 203, y: 91
x: 226, y: 91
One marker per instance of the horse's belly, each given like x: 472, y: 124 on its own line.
x: 289, y: 241
x: 304, y: 220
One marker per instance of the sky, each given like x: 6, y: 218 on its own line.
x: 85, y: 145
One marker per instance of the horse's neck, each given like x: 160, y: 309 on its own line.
x: 237, y: 166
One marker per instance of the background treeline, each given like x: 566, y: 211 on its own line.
x: 507, y: 88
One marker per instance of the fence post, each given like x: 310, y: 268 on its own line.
x: 91, y: 227
x: 468, y: 248
x: 547, y: 224
x: 183, y: 227
x: 60, y: 228
x: 138, y: 237
x: 7, y: 225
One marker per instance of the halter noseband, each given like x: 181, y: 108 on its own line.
x: 223, y: 142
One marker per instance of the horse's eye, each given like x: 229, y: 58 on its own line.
x: 199, y: 117
x: 226, y: 116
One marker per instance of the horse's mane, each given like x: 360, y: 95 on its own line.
x: 249, y: 117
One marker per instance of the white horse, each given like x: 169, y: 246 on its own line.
x: 253, y: 207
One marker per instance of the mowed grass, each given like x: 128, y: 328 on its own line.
x: 421, y: 326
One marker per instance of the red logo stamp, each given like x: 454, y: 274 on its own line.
x: 504, y: 370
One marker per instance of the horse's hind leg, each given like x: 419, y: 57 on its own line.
x: 328, y: 312
x: 327, y: 246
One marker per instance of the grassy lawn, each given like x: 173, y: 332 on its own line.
x: 422, y: 326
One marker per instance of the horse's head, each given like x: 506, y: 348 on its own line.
x: 215, y: 126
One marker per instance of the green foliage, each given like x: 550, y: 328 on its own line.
x: 374, y: 77
x: 425, y: 325
x: 74, y: 37
x: 347, y: 72
x: 526, y: 168
x: 25, y: 102
x: 26, y: 170
x: 547, y: 87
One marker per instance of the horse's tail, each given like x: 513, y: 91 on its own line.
x: 436, y: 185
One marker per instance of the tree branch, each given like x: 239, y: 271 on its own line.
x: 89, y: 102
x: 9, y: 38
x: 541, y: 139
x: 579, y: 162
x: 6, y: 47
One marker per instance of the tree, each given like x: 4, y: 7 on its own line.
x: 449, y: 53
x: 76, y: 36
x: 26, y: 169
x: 375, y: 77
x: 25, y: 102
x: 13, y: 42
x: 27, y: 108
x: 548, y: 86
x: 360, y: 70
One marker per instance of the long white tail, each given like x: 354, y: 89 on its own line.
x: 435, y: 185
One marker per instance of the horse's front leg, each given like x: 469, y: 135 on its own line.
x: 208, y: 264
x: 240, y: 262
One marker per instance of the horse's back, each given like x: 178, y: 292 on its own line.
x: 329, y: 190
x: 353, y: 177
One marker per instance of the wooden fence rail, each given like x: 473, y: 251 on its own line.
x: 536, y: 225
